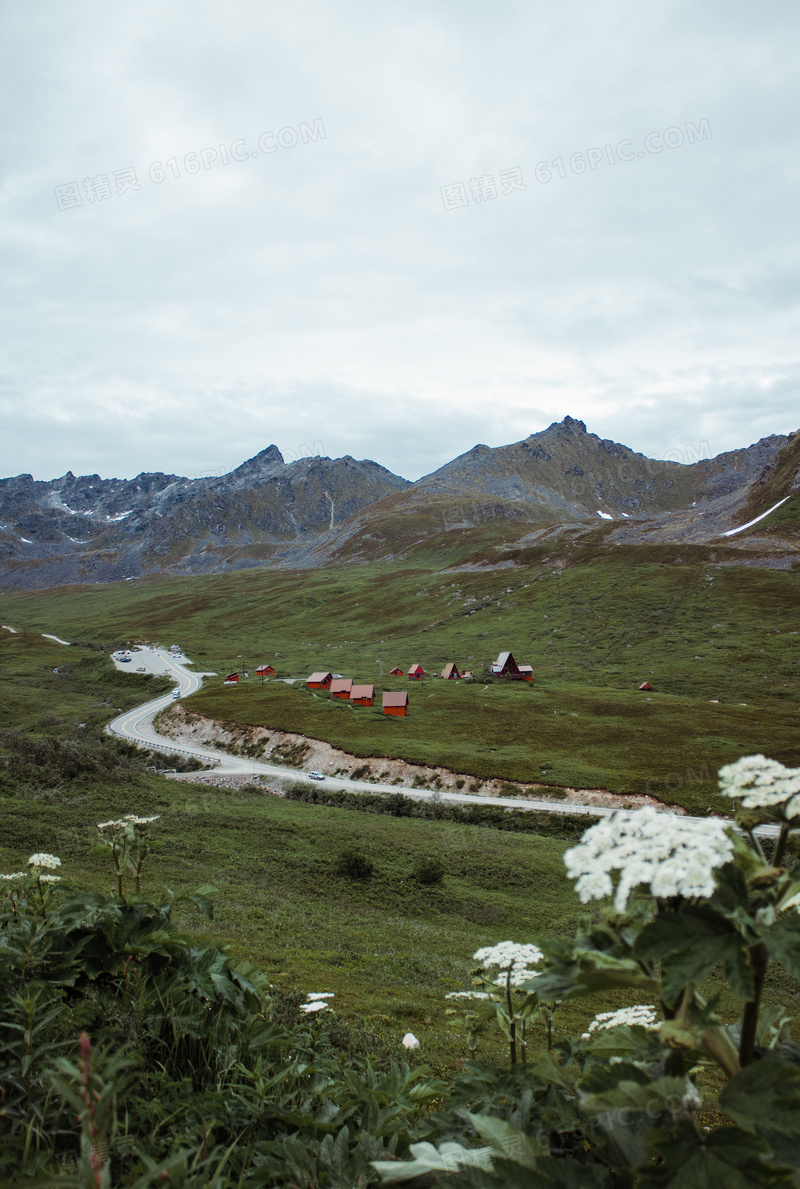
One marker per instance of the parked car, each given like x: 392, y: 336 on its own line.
x: 141, y: 669
x: 316, y: 776
x: 125, y: 660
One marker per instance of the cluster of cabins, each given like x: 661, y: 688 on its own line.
x: 396, y: 702
x: 358, y: 695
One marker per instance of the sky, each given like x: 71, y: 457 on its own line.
x: 394, y: 230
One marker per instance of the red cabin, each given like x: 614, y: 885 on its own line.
x: 363, y: 695
x: 396, y: 703
x: 506, y: 666
x: 340, y: 688
x: 319, y: 681
x: 231, y: 679
x: 526, y: 672
x: 396, y: 673
x: 265, y: 671
x: 645, y: 685
x: 450, y: 672
x: 416, y: 673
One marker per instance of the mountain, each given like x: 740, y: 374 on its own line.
x: 90, y: 529
x: 481, y: 508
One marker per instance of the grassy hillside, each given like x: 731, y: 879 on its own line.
x: 594, y: 624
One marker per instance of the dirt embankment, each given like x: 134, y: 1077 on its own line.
x: 301, y: 751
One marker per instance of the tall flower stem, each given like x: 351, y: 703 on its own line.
x: 759, y: 960
x: 512, y: 1023
x: 781, y: 846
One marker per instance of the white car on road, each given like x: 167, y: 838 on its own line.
x: 315, y: 776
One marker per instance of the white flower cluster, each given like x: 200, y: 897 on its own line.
x: 513, y: 959
x: 315, y: 1001
x: 15, y: 875
x: 130, y: 819
x: 43, y: 860
x: 759, y: 783
x: 468, y: 995
x: 668, y: 853
x: 643, y: 1014
x: 49, y: 879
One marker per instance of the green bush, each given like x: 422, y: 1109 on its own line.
x: 429, y: 871
x: 354, y: 864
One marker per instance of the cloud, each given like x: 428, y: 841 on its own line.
x: 320, y: 292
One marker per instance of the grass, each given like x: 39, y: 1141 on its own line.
x: 390, y: 947
x: 594, y: 623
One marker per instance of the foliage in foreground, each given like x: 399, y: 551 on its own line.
x: 134, y: 1054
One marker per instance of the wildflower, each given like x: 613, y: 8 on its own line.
x: 468, y: 995
x: 15, y: 875
x: 508, y: 955
x: 317, y: 1005
x: 643, y: 1014
x: 112, y: 825
x: 759, y: 783
x: 320, y: 995
x: 43, y: 860
x: 672, y: 856
x: 49, y: 879
x: 140, y: 821
x: 410, y: 1041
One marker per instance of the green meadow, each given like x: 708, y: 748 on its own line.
x: 719, y: 644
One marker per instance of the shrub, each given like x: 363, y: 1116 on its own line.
x: 354, y: 864
x: 429, y: 871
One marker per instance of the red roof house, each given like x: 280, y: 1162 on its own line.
x: 319, y: 681
x: 450, y: 672
x: 363, y: 695
x: 416, y: 673
x: 396, y: 673
x: 231, y: 679
x: 340, y: 688
x: 396, y: 703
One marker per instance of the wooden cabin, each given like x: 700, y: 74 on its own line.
x: 231, y: 679
x: 396, y: 673
x: 340, y: 688
x: 645, y: 685
x: 416, y: 673
x: 396, y: 703
x: 363, y: 695
x: 506, y: 666
x: 265, y: 671
x: 450, y: 672
x: 319, y: 680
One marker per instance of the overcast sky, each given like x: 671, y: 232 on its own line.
x: 330, y: 292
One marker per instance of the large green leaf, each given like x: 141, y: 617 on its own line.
x: 507, y: 1141
x: 689, y: 944
x: 764, y: 1098
x: 728, y: 1159
x: 783, y: 942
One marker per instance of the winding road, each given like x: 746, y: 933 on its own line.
x: 137, y: 727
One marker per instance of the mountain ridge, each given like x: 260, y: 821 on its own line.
x: 316, y: 511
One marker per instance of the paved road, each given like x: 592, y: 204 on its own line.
x: 137, y: 726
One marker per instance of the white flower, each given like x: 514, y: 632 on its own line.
x: 508, y: 955
x: 760, y: 783
x: 140, y: 821
x: 670, y: 854
x: 468, y: 995
x: 111, y: 825
x: 317, y: 1005
x: 320, y: 995
x: 43, y: 860
x: 516, y: 977
x: 15, y: 875
x: 49, y: 879
x: 410, y: 1041
x: 643, y: 1014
